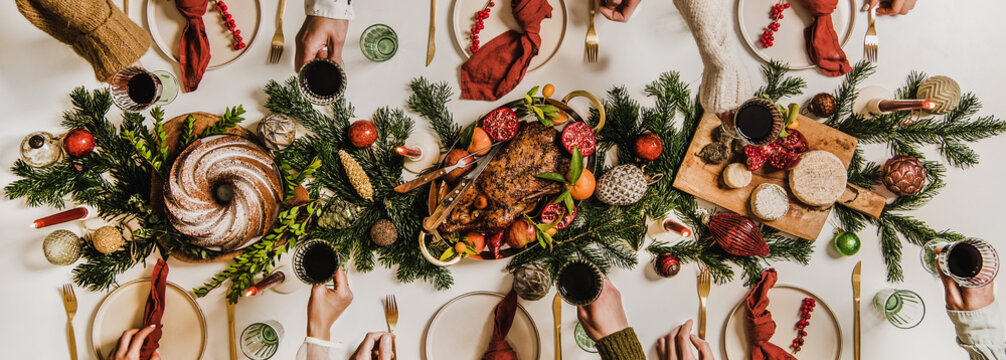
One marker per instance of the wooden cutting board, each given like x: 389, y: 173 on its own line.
x: 703, y: 180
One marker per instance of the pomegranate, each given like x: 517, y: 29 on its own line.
x: 757, y: 156
x: 362, y: 133
x: 579, y: 135
x: 794, y: 142
x: 648, y: 146
x: 520, y: 233
x: 784, y: 159
x: 452, y: 158
x: 552, y: 211
x: 501, y: 124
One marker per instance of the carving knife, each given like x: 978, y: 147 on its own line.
x: 437, y: 217
x: 422, y: 180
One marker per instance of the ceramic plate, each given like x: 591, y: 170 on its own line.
x: 753, y: 18
x: 824, y: 336
x: 462, y: 327
x: 166, y: 25
x: 122, y: 309
x: 500, y: 20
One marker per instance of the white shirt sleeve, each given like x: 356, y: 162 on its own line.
x: 335, y: 9
x: 317, y: 349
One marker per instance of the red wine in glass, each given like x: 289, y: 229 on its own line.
x: 580, y: 283
x: 315, y: 262
x: 321, y: 81
x: 964, y: 260
x: 757, y: 122
x: 971, y: 262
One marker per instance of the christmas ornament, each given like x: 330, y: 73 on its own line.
x: 805, y: 309
x: 357, y: 177
x: 767, y: 38
x: 667, y: 265
x: 239, y: 42
x: 769, y: 201
x: 276, y: 131
x: 942, y: 90
x: 480, y: 17
x: 649, y: 146
x: 903, y: 175
x: 846, y: 243
x: 339, y: 214
x: 107, y: 239
x: 40, y: 149
x: 579, y: 135
x: 78, y: 142
x: 383, y: 232
x: 736, y: 176
x: 623, y: 185
x: 362, y: 134
x: 823, y: 105
x: 737, y: 235
x: 819, y: 179
x: 531, y: 281
x: 61, y: 247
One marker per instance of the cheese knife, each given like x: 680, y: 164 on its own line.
x: 557, y: 319
x: 431, y: 222
x: 855, y: 310
x: 426, y: 178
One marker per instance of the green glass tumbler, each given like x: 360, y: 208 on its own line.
x: 379, y: 42
x: 260, y: 341
x: 902, y: 308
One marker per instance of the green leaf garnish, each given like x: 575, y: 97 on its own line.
x: 575, y: 166
x: 551, y: 176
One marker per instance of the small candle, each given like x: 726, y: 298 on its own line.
x: 77, y: 213
x: 275, y: 278
x: 412, y: 154
x: 904, y: 105
x: 671, y: 225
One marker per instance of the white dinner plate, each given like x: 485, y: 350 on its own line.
x: 166, y: 24
x: 824, y: 335
x: 790, y: 44
x: 462, y: 327
x: 553, y: 29
x: 184, y: 332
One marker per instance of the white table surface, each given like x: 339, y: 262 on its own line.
x: 962, y: 40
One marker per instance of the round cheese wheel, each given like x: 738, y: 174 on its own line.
x: 819, y: 179
x: 769, y: 201
x: 736, y: 175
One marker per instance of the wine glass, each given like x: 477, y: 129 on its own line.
x: 902, y: 308
x: 971, y: 262
x: 580, y: 282
x: 135, y: 89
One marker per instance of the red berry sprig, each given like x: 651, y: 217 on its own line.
x: 480, y: 17
x: 767, y: 37
x: 805, y: 310
x: 239, y: 42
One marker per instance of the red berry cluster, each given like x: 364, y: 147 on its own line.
x: 480, y: 18
x: 239, y: 42
x: 805, y: 310
x: 767, y: 38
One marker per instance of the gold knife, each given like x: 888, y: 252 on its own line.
x: 431, y: 43
x: 230, y: 330
x: 855, y: 301
x: 557, y: 318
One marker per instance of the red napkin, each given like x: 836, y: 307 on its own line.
x: 822, y: 41
x: 499, y: 349
x: 759, y: 323
x: 193, y: 48
x: 500, y: 64
x: 155, y: 309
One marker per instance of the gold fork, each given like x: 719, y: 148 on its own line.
x: 277, y: 38
x: 391, y: 316
x: 871, y: 42
x: 704, y: 282
x: 70, y: 304
x: 591, y: 41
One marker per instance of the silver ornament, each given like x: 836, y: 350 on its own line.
x: 61, y: 247
x: 276, y: 131
x: 41, y: 149
x: 531, y: 282
x: 623, y: 185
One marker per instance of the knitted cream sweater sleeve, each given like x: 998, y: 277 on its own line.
x: 725, y: 83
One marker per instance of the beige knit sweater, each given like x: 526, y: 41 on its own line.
x: 96, y: 29
x: 725, y: 82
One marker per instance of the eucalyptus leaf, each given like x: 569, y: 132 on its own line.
x: 533, y: 91
x: 569, y: 205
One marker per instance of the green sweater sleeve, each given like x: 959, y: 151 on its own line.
x: 622, y: 345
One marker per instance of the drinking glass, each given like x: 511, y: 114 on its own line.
x: 299, y: 267
x: 730, y: 123
x: 259, y: 341
x: 583, y: 340
x: 303, y: 81
x: 936, y: 252
x: 165, y: 88
x: 379, y: 42
x: 902, y: 308
x: 580, y: 282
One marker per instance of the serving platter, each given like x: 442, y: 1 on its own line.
x: 501, y: 19
x: 824, y: 335
x: 165, y: 24
x: 789, y: 46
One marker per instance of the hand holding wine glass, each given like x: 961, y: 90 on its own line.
x: 326, y: 305
x: 605, y: 316
x: 961, y: 298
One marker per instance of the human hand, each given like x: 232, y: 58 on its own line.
x: 326, y: 305
x: 618, y: 10
x: 678, y: 343
x: 130, y: 343
x: 895, y: 7
x: 965, y: 298
x: 605, y: 316
x: 317, y: 34
x: 377, y: 345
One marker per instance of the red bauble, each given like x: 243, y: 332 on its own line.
x: 667, y: 265
x: 649, y: 146
x: 362, y: 133
x: 737, y: 235
x: 78, y: 143
x: 903, y: 175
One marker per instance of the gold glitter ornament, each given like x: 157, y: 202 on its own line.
x: 107, y: 239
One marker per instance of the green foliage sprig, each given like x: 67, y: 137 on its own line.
x: 230, y: 118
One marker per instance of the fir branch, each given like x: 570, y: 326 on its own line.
x: 849, y: 91
x: 42, y: 186
x: 430, y: 100
x: 231, y: 118
x: 778, y: 84
x: 286, y: 99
